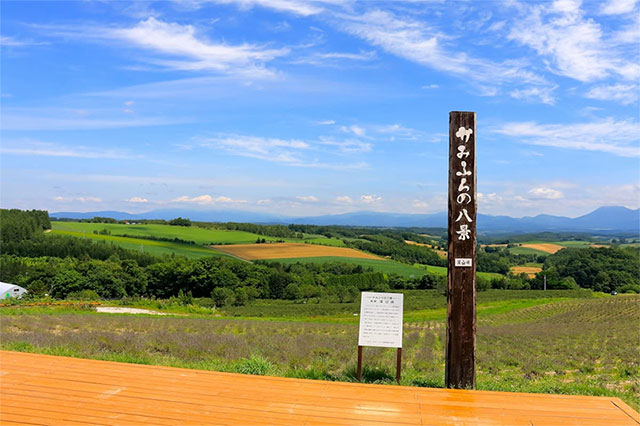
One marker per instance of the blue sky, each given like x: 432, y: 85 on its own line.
x: 316, y: 107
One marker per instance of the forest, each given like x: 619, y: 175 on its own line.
x: 68, y: 267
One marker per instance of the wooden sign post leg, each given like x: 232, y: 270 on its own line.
x: 359, y: 370
x: 460, y: 370
x: 399, y: 365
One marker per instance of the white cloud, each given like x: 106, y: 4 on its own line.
x: 429, y: 87
x: 333, y: 58
x: 545, y: 193
x: 418, y: 42
x: 270, y: 149
x: 541, y: 94
x: 611, y: 136
x: 348, y: 146
x: 78, y: 199
x: 420, y: 204
x: 572, y: 45
x: 617, y: 7
x: 137, y: 200
x: 371, y: 198
x: 344, y: 199
x: 296, y: 7
x: 54, y: 150
x: 207, y: 200
x: 307, y: 198
x: 14, y: 42
x: 292, y: 152
x: 327, y: 122
x: 624, y: 93
x: 356, y: 130
x: 196, y: 53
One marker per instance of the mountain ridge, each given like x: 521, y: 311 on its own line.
x: 607, y: 219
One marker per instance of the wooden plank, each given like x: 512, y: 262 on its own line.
x: 460, y: 358
x: 42, y: 389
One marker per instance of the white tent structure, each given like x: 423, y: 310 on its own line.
x: 10, y: 290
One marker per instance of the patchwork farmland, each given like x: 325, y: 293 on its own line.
x: 290, y: 250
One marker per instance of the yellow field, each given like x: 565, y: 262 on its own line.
x: 545, y: 247
x: 529, y: 270
x: 441, y: 253
x: 289, y: 250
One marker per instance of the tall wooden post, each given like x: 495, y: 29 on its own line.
x: 460, y: 370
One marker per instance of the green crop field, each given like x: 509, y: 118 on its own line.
x: 527, y: 250
x: 384, y: 266
x: 326, y: 242
x: 551, y: 342
x: 441, y: 270
x: 148, y: 246
x: 187, y: 233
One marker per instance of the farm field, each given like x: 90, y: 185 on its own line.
x: 325, y: 241
x: 583, y: 346
x: 290, y: 250
x: 187, y: 233
x: 529, y: 270
x: 442, y: 270
x: 158, y: 248
x: 544, y: 247
x: 441, y: 253
x: 378, y: 265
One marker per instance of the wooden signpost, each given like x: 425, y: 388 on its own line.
x: 460, y: 369
x: 381, y: 325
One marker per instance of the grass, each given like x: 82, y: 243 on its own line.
x: 384, y: 266
x: 442, y: 270
x: 527, y: 250
x: 326, y: 242
x: 148, y: 246
x: 527, y: 341
x: 187, y: 233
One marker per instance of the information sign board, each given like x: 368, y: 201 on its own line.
x: 381, y: 320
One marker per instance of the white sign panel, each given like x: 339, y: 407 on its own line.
x: 464, y: 262
x: 381, y: 320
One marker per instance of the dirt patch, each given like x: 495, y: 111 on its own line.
x: 290, y: 250
x: 545, y: 247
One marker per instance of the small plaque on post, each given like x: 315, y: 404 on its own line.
x: 464, y: 262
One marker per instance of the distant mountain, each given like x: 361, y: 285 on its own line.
x: 603, y: 219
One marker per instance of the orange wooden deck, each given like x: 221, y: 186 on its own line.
x: 49, y: 390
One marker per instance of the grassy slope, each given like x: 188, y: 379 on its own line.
x: 384, y: 266
x: 148, y: 246
x: 188, y: 233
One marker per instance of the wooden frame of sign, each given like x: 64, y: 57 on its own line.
x: 460, y: 367
x: 381, y: 325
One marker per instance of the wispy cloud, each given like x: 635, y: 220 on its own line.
x: 196, y: 53
x: 292, y: 152
x: 617, y: 7
x: 573, y: 46
x: 334, y: 58
x: 615, y: 137
x: 55, y: 150
x: 78, y: 119
x: 418, y: 42
x: 539, y: 94
x: 8, y: 41
x: 624, y: 93
x: 296, y: 7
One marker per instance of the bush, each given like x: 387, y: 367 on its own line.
x: 256, y: 365
x: 222, y: 296
x: 83, y: 295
